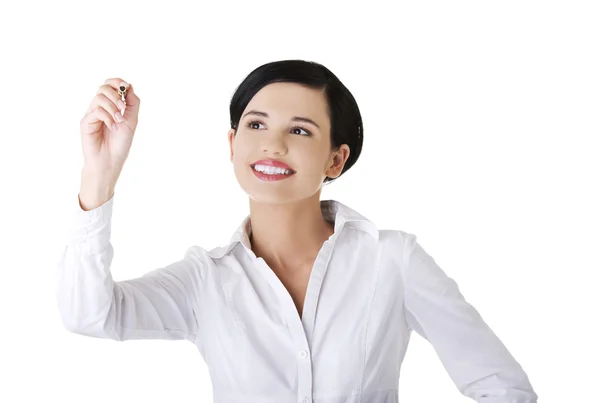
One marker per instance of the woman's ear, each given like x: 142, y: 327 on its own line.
x: 231, y: 138
x: 338, y: 161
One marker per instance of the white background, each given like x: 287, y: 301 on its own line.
x: 481, y: 137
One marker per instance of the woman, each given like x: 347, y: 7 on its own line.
x: 310, y: 301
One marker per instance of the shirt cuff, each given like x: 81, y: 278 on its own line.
x: 91, y: 229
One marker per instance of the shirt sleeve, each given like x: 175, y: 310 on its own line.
x: 157, y: 305
x: 477, y: 361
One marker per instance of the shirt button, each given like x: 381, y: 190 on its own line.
x: 305, y: 400
x: 303, y: 354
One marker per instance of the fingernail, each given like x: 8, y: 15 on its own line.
x: 120, y: 104
x: 118, y: 116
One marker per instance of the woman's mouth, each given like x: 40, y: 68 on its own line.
x: 267, y: 173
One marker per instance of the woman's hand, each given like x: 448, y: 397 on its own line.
x: 106, y: 135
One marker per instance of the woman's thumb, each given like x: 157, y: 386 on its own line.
x: 132, y: 102
x: 131, y: 98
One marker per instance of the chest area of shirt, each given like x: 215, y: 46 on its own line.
x: 295, y: 283
x: 338, y: 312
x: 337, y: 287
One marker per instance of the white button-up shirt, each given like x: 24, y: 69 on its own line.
x: 367, y: 291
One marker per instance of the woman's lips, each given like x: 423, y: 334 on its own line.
x: 273, y: 163
x: 270, y: 177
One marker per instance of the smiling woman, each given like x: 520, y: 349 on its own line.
x: 309, y: 301
x: 335, y: 117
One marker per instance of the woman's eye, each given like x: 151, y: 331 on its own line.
x: 300, y: 128
x: 251, y: 125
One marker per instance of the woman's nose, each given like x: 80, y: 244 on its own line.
x: 275, y: 144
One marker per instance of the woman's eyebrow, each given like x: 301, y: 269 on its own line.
x: 294, y: 118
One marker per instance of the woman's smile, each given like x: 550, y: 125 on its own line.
x: 270, y: 173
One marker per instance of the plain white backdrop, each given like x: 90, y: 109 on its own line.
x: 481, y: 124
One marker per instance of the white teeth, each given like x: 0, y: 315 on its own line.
x: 272, y: 170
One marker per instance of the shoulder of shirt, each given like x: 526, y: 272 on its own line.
x: 399, y: 239
x: 204, y: 254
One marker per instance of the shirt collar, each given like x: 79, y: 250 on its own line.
x: 333, y: 211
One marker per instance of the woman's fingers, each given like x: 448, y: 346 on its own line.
x: 107, y: 107
x: 111, y: 94
x: 111, y: 105
x: 89, y: 123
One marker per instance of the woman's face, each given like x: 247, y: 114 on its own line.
x: 267, y: 131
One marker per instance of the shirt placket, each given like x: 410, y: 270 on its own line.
x: 301, y: 330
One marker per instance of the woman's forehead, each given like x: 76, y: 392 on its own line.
x: 282, y: 100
